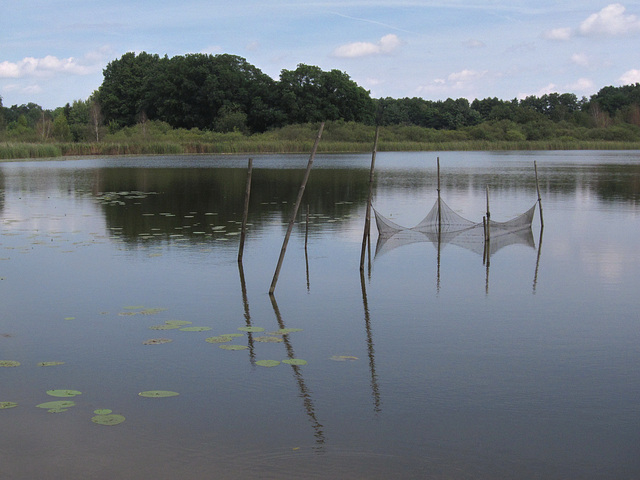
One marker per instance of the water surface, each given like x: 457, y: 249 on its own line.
x: 523, y: 366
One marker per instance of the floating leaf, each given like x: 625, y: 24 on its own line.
x: 69, y: 318
x: 151, y: 311
x: 5, y: 405
x: 178, y: 322
x: 164, y: 327
x: 251, y: 329
x: 156, y: 341
x: 9, y: 363
x: 285, y: 331
x: 63, y: 393
x: 111, y: 419
x: 195, y: 329
x: 233, y: 347
x: 220, y: 339
x: 268, y: 363
x: 103, y: 411
x: 49, y: 364
x: 294, y: 361
x: 268, y: 339
x: 158, y: 393
x: 342, y: 358
x: 57, y: 404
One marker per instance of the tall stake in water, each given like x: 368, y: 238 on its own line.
x: 295, y: 210
x: 247, y: 193
x: 535, y: 167
x: 367, y: 222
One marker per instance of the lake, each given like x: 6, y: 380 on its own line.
x: 438, y: 361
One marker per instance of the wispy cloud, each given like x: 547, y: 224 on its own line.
x: 559, y: 34
x: 580, y: 59
x: 610, y: 21
x: 385, y: 45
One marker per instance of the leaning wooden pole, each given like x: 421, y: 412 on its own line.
x: 488, y: 229
x: 247, y: 194
x: 535, y: 167
x: 367, y: 221
x: 295, y: 210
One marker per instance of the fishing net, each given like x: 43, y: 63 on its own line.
x: 444, y: 226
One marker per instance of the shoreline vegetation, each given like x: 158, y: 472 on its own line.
x: 340, y: 137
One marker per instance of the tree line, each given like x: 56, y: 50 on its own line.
x: 225, y: 93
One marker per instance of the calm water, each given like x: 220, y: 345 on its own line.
x: 526, y: 366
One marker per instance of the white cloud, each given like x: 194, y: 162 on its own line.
x: 582, y: 85
x: 49, y: 65
x: 455, y: 81
x: 611, y: 21
x: 212, y: 50
x: 385, y: 45
x: 474, y: 44
x: 559, y: 34
x: 630, y: 77
x: 580, y: 59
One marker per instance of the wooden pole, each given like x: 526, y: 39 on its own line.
x: 247, y: 194
x: 295, y: 210
x: 367, y: 222
x: 439, y: 201
x: 488, y: 229
x: 535, y: 167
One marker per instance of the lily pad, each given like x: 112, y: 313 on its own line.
x: 102, y: 411
x: 268, y: 339
x: 294, y: 361
x: 157, y: 341
x: 342, y: 358
x: 59, y: 404
x: 151, y: 311
x: 63, y: 393
x: 158, y: 393
x: 220, y: 339
x: 164, y: 327
x: 49, y: 364
x: 5, y: 405
x: 9, y: 363
x: 285, y: 331
x: 251, y: 329
x: 195, y: 329
x: 69, y: 318
x: 233, y: 347
x: 268, y: 363
x: 178, y: 322
x: 109, y: 419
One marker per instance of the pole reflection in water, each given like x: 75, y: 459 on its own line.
x: 375, y: 391
x: 305, y: 393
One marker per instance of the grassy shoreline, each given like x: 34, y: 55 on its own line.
x: 26, y: 151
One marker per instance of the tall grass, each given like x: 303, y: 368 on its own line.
x: 157, y: 138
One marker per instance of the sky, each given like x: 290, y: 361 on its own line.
x: 53, y: 52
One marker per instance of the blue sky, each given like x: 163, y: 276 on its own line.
x: 53, y: 51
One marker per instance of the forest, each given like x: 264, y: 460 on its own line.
x: 221, y: 103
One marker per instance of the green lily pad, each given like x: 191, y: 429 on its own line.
x: 233, y: 347
x: 102, y: 411
x: 49, y: 364
x: 220, y: 339
x: 110, y: 419
x: 342, y: 358
x: 9, y: 363
x: 134, y: 307
x: 268, y: 363
x: 195, y: 329
x: 285, y: 331
x: 178, y: 322
x: 5, y: 405
x: 158, y: 393
x: 151, y: 311
x: 63, y: 393
x: 69, y: 318
x: 294, y: 361
x: 268, y: 339
x: 251, y: 329
x: 59, y: 404
x: 156, y: 341
x: 170, y: 326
